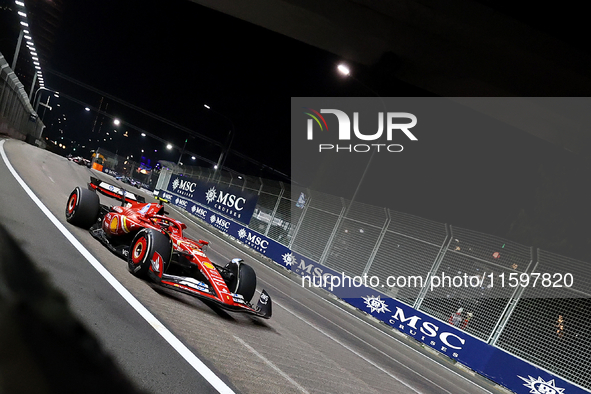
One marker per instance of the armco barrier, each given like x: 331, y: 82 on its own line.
x: 499, y: 366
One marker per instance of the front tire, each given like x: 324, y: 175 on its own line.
x: 83, y: 208
x: 149, y: 254
x: 244, y: 281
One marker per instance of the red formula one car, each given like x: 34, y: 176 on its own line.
x: 156, y: 249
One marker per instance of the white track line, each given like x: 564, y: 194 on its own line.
x: 343, y: 310
x: 349, y: 349
x: 357, y: 338
x: 176, y: 344
x: 269, y: 363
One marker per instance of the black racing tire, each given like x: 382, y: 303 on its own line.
x: 82, y: 208
x: 244, y: 281
x: 145, y: 248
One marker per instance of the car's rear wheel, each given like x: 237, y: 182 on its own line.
x: 244, y: 280
x: 83, y: 208
x: 149, y: 254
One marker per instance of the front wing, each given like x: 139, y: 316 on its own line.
x: 195, y: 288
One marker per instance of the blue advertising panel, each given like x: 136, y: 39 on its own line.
x: 317, y: 275
x: 230, y: 201
x: 499, y: 366
x: 264, y: 245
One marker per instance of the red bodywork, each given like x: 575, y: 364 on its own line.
x: 129, y: 219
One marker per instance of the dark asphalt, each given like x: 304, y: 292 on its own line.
x: 310, y: 345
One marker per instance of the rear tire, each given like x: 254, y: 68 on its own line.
x: 244, y: 281
x: 83, y: 208
x: 149, y: 254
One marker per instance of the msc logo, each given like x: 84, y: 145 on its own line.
x: 184, y: 185
x: 219, y: 222
x: 226, y: 199
x: 427, y: 329
x: 252, y: 239
x: 181, y: 203
x: 344, y: 133
x: 198, y: 211
x: 539, y: 386
x: 375, y: 304
x: 231, y: 200
x: 309, y: 269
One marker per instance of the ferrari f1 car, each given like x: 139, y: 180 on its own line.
x: 156, y: 249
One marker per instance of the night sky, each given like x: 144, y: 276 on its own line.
x: 169, y: 58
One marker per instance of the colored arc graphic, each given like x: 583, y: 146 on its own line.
x: 316, y: 119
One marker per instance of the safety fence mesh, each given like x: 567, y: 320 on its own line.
x: 553, y: 329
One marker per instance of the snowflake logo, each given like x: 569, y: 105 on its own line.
x: 539, y: 386
x: 212, y: 218
x: 210, y: 194
x: 375, y: 304
x: 175, y: 183
x: 193, y: 208
x: 288, y: 259
x: 242, y: 233
x: 176, y: 201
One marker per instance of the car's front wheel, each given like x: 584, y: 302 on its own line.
x: 149, y: 254
x: 244, y: 279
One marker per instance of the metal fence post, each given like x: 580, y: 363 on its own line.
x: 295, y: 232
x: 333, y: 234
x: 260, y: 188
x: 510, y: 307
x: 435, y: 266
x: 275, y: 209
x: 378, y: 243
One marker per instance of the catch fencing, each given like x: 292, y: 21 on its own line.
x: 17, y: 117
x: 550, y: 331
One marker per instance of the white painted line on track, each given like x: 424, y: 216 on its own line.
x: 342, y: 309
x: 269, y: 363
x: 176, y: 344
x: 348, y: 348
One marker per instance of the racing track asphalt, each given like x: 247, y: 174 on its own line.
x: 310, y: 345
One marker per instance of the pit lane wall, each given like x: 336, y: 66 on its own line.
x: 496, y: 364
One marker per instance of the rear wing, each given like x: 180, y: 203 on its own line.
x: 113, y: 191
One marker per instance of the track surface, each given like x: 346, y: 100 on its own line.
x: 308, y: 346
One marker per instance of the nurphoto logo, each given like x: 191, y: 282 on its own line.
x: 392, y: 125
